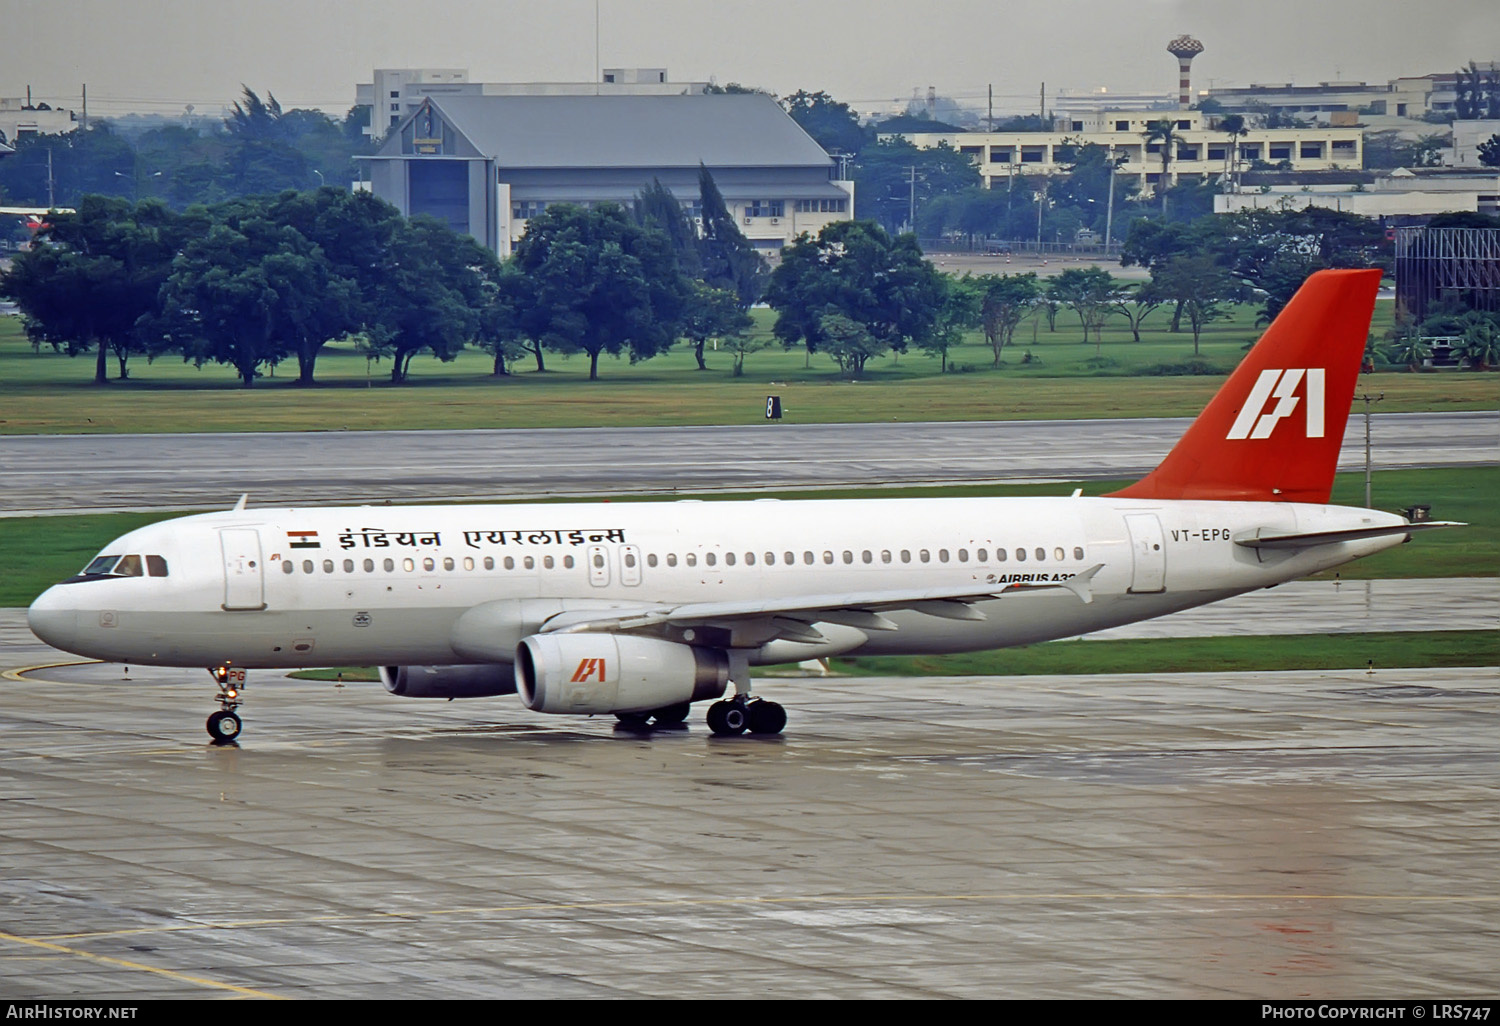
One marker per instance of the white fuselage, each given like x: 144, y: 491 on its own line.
x: 381, y: 585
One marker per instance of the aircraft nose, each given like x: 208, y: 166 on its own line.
x: 54, y: 619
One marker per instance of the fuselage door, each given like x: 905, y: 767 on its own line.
x: 244, y: 585
x: 598, y: 557
x: 1148, y: 552
x: 630, y: 565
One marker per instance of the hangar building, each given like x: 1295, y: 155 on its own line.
x: 486, y: 164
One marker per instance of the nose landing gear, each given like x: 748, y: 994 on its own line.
x: 224, y: 725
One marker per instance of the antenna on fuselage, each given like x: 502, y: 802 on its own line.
x: 241, y: 504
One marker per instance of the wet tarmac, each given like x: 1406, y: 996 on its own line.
x: 1270, y: 835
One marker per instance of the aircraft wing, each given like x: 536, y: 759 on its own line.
x: 860, y: 609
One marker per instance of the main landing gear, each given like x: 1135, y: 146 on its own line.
x: 224, y: 725
x: 733, y: 716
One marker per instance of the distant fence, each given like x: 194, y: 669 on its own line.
x: 1002, y: 247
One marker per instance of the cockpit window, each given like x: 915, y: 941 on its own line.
x: 101, y: 565
x: 129, y: 566
x: 156, y: 566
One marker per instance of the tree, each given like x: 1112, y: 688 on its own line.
x: 1090, y: 292
x: 433, y: 293
x: 960, y: 311
x: 1232, y: 125
x: 850, y: 343
x: 726, y: 258
x: 1007, y: 299
x: 1481, y: 340
x: 1489, y: 151
x: 96, y: 276
x: 656, y: 207
x: 893, y: 176
x: 1199, y: 285
x: 599, y: 283
x: 1137, y: 302
x: 854, y: 268
x: 711, y: 313
x: 1163, y: 132
x: 833, y: 125
x: 219, y: 306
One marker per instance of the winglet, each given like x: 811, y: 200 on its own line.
x: 241, y: 504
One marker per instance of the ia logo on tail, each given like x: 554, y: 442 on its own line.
x: 1255, y: 421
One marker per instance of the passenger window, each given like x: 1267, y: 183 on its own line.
x: 827, y: 557
x: 963, y: 555
x: 807, y: 557
x: 427, y: 563
x: 885, y: 555
x: 650, y: 559
x: 156, y: 566
x: 1020, y: 555
x: 942, y: 555
x: 408, y: 565
x: 710, y: 559
x: 388, y: 565
x: 1059, y: 554
x: 288, y: 567
x: 691, y: 559
x: 307, y: 566
x: 598, y: 561
x: 489, y: 562
x: 547, y: 563
x: 468, y: 562
x: 510, y: 562
x: 447, y: 562
x: 568, y: 562
x: 924, y: 556
x: 749, y: 559
x: 129, y: 566
x: 529, y: 563
x: 729, y: 559
x: 369, y: 566
x: 1041, y: 554
x: 348, y: 566
x: 866, y: 556
x: 1000, y: 555
x: 1077, y: 552
x: 328, y: 566
x: 983, y: 555
x: 101, y: 565
x: 671, y: 559
x: 906, y: 555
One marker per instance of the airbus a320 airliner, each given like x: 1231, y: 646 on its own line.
x: 642, y: 609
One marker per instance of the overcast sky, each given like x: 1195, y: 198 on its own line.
x: 160, y: 55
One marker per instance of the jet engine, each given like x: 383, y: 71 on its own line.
x: 479, y: 681
x: 605, y: 673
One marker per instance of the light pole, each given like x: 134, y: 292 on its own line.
x: 1109, y: 215
x: 1367, y: 400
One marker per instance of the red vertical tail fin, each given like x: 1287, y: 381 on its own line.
x: 1273, y: 431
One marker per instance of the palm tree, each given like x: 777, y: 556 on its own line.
x: 1233, y: 125
x: 1164, y: 131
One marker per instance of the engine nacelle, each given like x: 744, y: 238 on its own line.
x: 605, y: 673
x: 479, y: 681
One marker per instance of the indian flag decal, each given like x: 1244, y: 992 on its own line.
x: 303, y: 540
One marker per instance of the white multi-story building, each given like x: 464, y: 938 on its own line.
x: 1201, y: 149
x: 18, y: 119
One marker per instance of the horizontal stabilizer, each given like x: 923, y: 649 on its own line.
x: 1262, y: 540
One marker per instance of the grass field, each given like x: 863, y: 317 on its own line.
x: 39, y: 551
x: 46, y: 392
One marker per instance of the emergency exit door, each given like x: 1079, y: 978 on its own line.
x: 244, y: 585
x: 1148, y: 553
